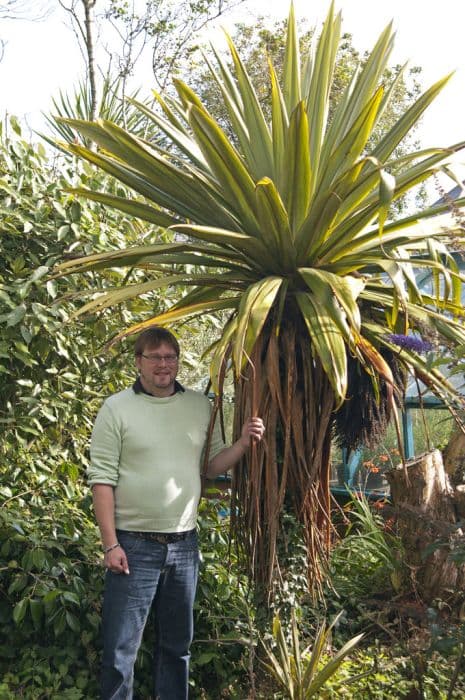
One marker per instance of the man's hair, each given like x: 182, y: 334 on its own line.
x: 154, y: 336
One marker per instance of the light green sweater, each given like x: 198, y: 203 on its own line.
x: 150, y: 449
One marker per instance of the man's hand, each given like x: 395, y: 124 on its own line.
x: 253, y: 429
x: 115, y: 560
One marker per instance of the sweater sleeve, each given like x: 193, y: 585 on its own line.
x: 105, y: 448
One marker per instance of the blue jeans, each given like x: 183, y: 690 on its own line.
x: 162, y: 575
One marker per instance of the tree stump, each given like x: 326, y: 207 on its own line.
x: 454, y: 455
x: 460, y: 501
x: 425, y: 506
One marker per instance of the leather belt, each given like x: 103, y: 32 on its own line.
x: 160, y: 537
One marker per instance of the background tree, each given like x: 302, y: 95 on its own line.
x: 165, y: 28
x: 315, y: 280
x: 128, y: 33
x: 46, y: 372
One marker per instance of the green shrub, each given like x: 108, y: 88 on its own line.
x: 368, y: 559
x: 50, y: 593
x: 51, y: 589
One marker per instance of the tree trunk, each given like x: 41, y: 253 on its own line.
x: 425, y: 506
x: 89, y: 6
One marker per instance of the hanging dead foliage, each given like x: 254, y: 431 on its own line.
x: 284, y: 384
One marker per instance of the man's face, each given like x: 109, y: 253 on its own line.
x: 158, y: 367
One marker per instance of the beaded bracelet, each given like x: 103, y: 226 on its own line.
x: 113, y: 546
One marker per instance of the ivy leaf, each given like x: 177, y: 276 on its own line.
x: 20, y: 611
x: 40, y: 272
x: 72, y: 621
x: 15, y: 316
x: 71, y: 597
x: 36, y: 608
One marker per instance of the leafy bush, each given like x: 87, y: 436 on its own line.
x: 49, y: 603
x: 386, y: 672
x: 53, y: 372
x: 225, y: 635
x: 51, y: 589
x: 51, y: 376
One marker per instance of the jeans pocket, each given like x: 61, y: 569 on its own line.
x: 192, y: 539
x: 129, y: 542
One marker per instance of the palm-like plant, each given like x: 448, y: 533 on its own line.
x: 78, y: 104
x: 302, y: 673
x: 287, y: 229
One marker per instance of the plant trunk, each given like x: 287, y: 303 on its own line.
x: 289, y: 470
x: 425, y: 507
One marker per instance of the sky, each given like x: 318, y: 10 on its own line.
x: 42, y: 57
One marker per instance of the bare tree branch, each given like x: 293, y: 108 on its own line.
x: 76, y: 23
x: 33, y: 11
x: 25, y: 10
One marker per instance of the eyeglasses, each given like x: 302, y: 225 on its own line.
x: 158, y: 359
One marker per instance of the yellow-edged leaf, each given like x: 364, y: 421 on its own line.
x: 297, y: 186
x: 227, y: 165
x: 274, y: 224
x: 291, y: 68
x: 249, y: 246
x: 148, y: 253
x: 346, y: 291
x: 405, y: 123
x: 259, y: 132
x: 319, y: 87
x: 160, y: 187
x: 174, y: 130
x: 351, y: 147
x: 233, y: 104
x: 280, y: 125
x: 328, y: 341
x: 253, y: 311
x: 359, y: 91
x: 181, y: 312
x: 112, y: 297
x: 129, y: 206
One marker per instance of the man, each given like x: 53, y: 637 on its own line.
x: 146, y: 452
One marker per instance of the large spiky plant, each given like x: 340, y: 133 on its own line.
x: 287, y: 229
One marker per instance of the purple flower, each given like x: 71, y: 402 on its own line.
x: 410, y: 342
